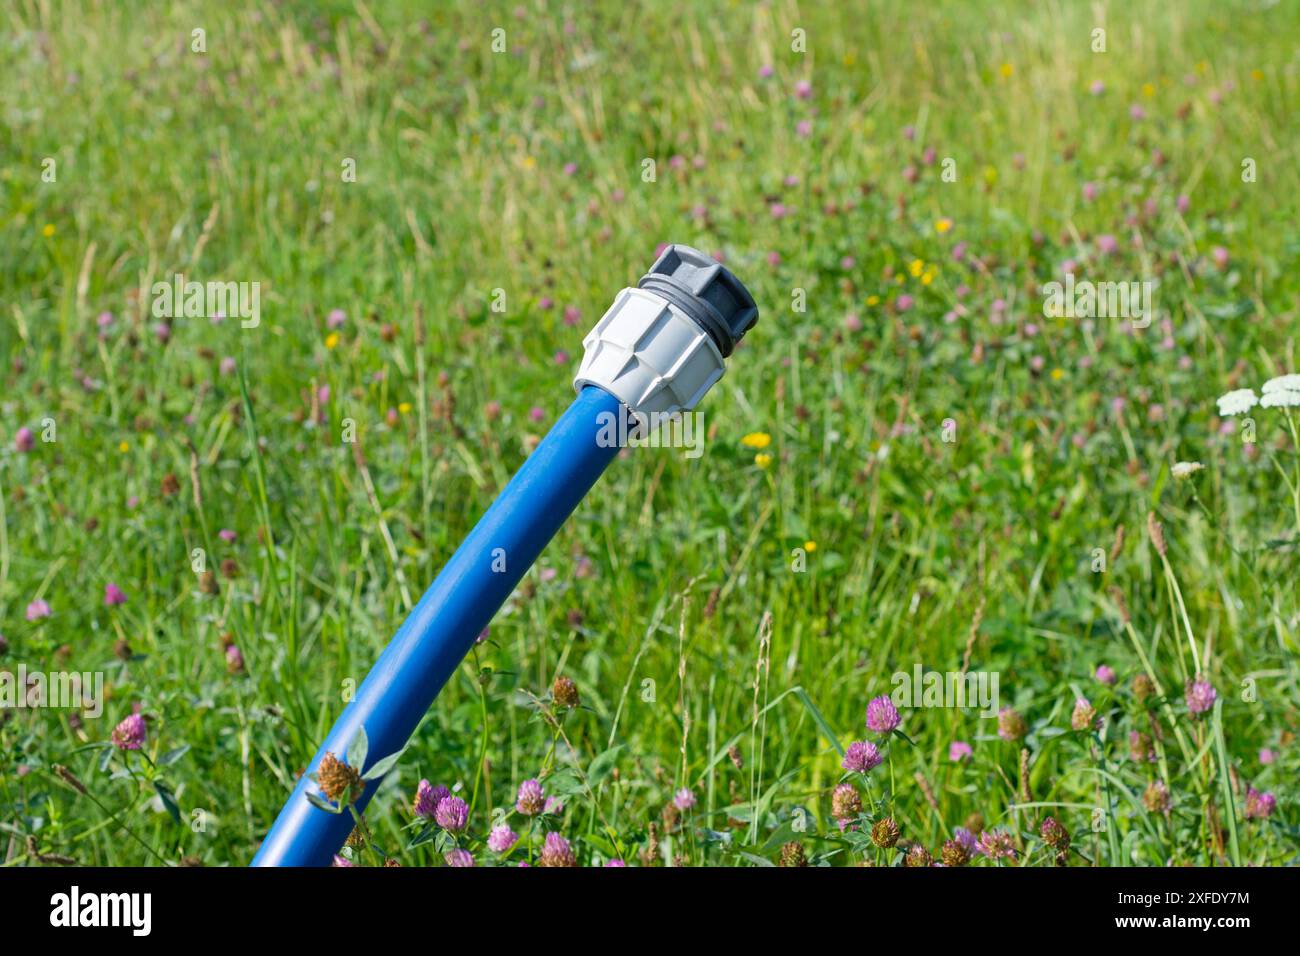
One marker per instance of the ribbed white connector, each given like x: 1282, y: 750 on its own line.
x: 649, y: 355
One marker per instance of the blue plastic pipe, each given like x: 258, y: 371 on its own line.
x: 442, y: 628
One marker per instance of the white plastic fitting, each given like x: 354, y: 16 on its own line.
x: 650, y: 355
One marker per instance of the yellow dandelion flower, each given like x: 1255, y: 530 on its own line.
x: 1058, y: 373
x: 810, y: 546
x: 850, y: 58
x: 916, y: 268
x: 123, y: 447
x: 404, y: 407
x: 1006, y: 69
x: 873, y: 300
x: 756, y: 440
x: 762, y: 460
x: 898, y: 279
x: 48, y: 230
x: 943, y: 225
x: 927, y: 277
x: 529, y: 162
x: 1148, y: 90
x: 990, y: 175
x: 1257, y: 75
x: 331, y: 340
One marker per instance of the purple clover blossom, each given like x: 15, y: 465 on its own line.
x: 458, y: 858
x: 557, y: 852
x: 1105, y: 675
x: 130, y: 733
x: 531, y: 800
x: 614, y: 862
x: 38, y: 609
x: 997, y: 844
x: 882, y: 715
x: 427, y: 798
x: 959, y: 750
x: 341, y: 861
x: 684, y: 799
x: 501, y: 839
x: 1259, y: 806
x: 1084, y: 715
x: 861, y: 757
x: 554, y: 805
x: 966, y: 840
x: 113, y: 595
x: 24, y: 441
x: 452, y: 814
x: 1199, y: 695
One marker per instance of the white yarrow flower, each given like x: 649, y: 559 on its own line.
x: 1280, y: 399
x: 1237, y: 402
x: 1185, y: 469
x: 1283, y: 383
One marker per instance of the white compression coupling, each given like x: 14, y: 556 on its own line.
x: 649, y: 355
x: 662, y: 345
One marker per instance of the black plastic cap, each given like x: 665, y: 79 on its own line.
x: 706, y: 291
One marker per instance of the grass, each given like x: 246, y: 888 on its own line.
x: 950, y: 466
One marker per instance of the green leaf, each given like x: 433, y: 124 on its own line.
x: 820, y: 719
x: 358, y: 749
x: 320, y: 803
x: 171, y: 756
x: 168, y: 800
x: 424, y: 836
x: 602, y: 766
x: 563, y: 783
x: 382, y: 767
x: 1225, y: 784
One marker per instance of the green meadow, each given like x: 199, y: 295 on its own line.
x: 922, y: 474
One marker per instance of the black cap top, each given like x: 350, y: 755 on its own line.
x: 706, y: 291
